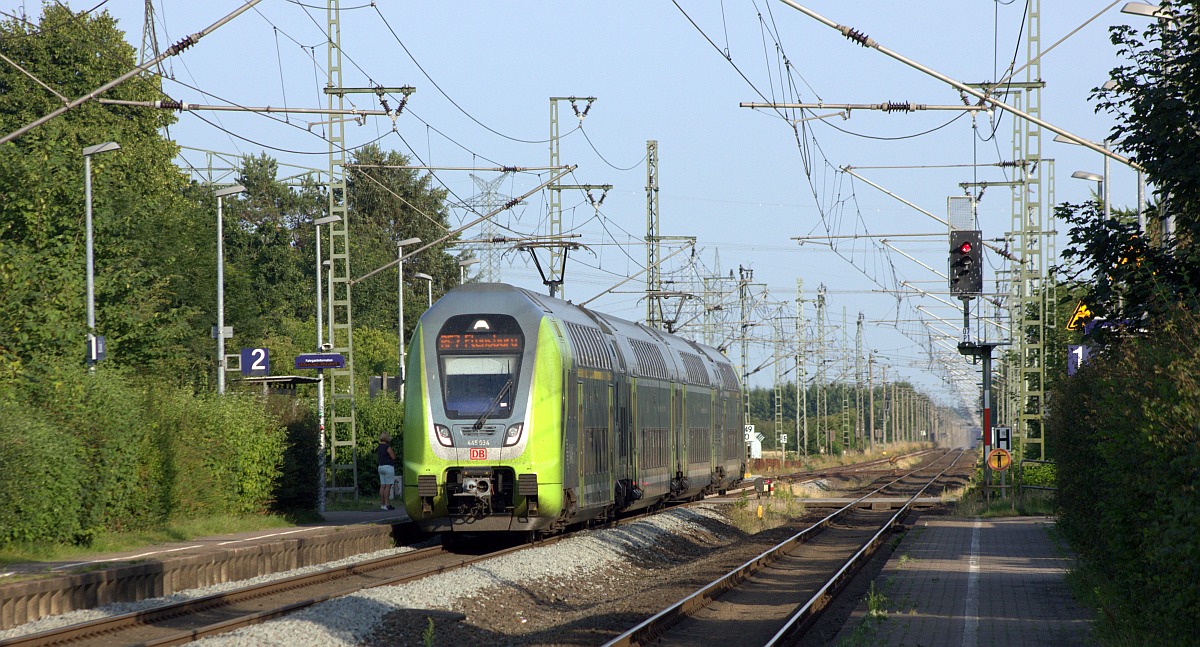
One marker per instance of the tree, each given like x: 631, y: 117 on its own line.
x: 1137, y: 277
x: 137, y: 200
x: 388, y: 205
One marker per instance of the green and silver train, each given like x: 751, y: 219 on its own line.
x: 525, y: 413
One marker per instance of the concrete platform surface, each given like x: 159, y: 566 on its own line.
x: 974, y: 583
x: 30, y: 591
x: 333, y: 520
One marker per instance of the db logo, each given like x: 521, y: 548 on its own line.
x: 478, y: 454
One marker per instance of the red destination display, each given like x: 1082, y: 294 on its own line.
x: 469, y: 341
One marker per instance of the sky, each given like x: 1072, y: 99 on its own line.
x: 745, y: 182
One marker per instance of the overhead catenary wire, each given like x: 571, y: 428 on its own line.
x: 139, y: 69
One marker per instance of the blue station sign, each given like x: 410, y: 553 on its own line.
x: 320, y: 360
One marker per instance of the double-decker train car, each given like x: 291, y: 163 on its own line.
x: 525, y: 413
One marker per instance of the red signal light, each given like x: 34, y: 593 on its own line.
x: 964, y: 248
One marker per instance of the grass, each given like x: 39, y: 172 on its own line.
x: 114, y: 542
x: 1034, y: 503
x: 427, y: 635
x: 363, y: 504
x: 777, y: 510
x: 877, y: 612
x: 876, y: 604
x: 821, y: 461
x: 1092, y: 588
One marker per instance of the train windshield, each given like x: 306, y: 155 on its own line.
x: 480, y: 361
x: 478, y: 385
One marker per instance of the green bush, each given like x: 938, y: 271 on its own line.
x: 1038, y: 475
x: 375, y: 416
x: 296, y: 488
x: 230, y: 454
x: 1127, y: 475
x: 40, y: 479
x: 82, y: 453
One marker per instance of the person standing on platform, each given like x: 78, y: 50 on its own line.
x: 387, y: 470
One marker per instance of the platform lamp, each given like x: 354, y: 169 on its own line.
x: 320, y: 373
x: 1143, y: 9
x: 1100, y: 185
x: 400, y: 299
x: 1170, y: 21
x: 426, y: 277
x: 462, y: 269
x: 93, y: 353
x: 1104, y: 186
x: 220, y: 333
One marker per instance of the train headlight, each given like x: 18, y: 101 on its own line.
x: 443, y: 435
x: 513, y: 435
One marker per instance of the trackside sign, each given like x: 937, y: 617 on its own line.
x: 320, y: 360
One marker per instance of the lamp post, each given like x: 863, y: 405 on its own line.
x: 220, y: 333
x: 426, y: 277
x: 1143, y: 9
x: 400, y: 299
x: 321, y: 374
x: 1103, y: 179
x: 92, y: 351
x: 1101, y: 186
x: 462, y: 269
x: 1169, y: 21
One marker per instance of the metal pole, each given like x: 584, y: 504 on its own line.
x: 1141, y: 201
x: 871, y: 395
x: 1106, y: 162
x: 221, y: 193
x: 329, y: 288
x: 91, y: 305
x: 220, y: 301
x: 320, y: 390
x: 987, y: 420
x: 400, y: 319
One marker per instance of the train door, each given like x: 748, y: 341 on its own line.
x: 623, y: 432
x: 715, y: 431
x: 611, y: 442
x: 595, y: 441
x: 680, y: 433
x: 571, y: 463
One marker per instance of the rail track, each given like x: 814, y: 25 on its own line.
x: 186, y: 621
x: 183, y: 622
x: 773, y: 598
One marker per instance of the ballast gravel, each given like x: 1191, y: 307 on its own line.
x: 361, y: 618
x: 583, y: 590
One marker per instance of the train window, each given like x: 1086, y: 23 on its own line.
x: 480, y: 357
x: 479, y: 385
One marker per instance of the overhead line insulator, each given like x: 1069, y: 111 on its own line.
x: 857, y: 36
x: 187, y: 42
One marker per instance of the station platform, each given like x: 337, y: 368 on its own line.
x: 33, y: 590
x: 975, y: 583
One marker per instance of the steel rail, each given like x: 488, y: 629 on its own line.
x: 651, y: 628
x: 802, y: 616
x: 111, y: 626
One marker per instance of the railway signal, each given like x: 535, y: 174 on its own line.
x: 966, y: 262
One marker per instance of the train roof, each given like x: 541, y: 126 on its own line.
x: 684, y: 363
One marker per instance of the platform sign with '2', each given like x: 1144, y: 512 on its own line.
x: 255, y: 362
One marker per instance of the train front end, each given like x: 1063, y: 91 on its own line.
x: 483, y: 410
